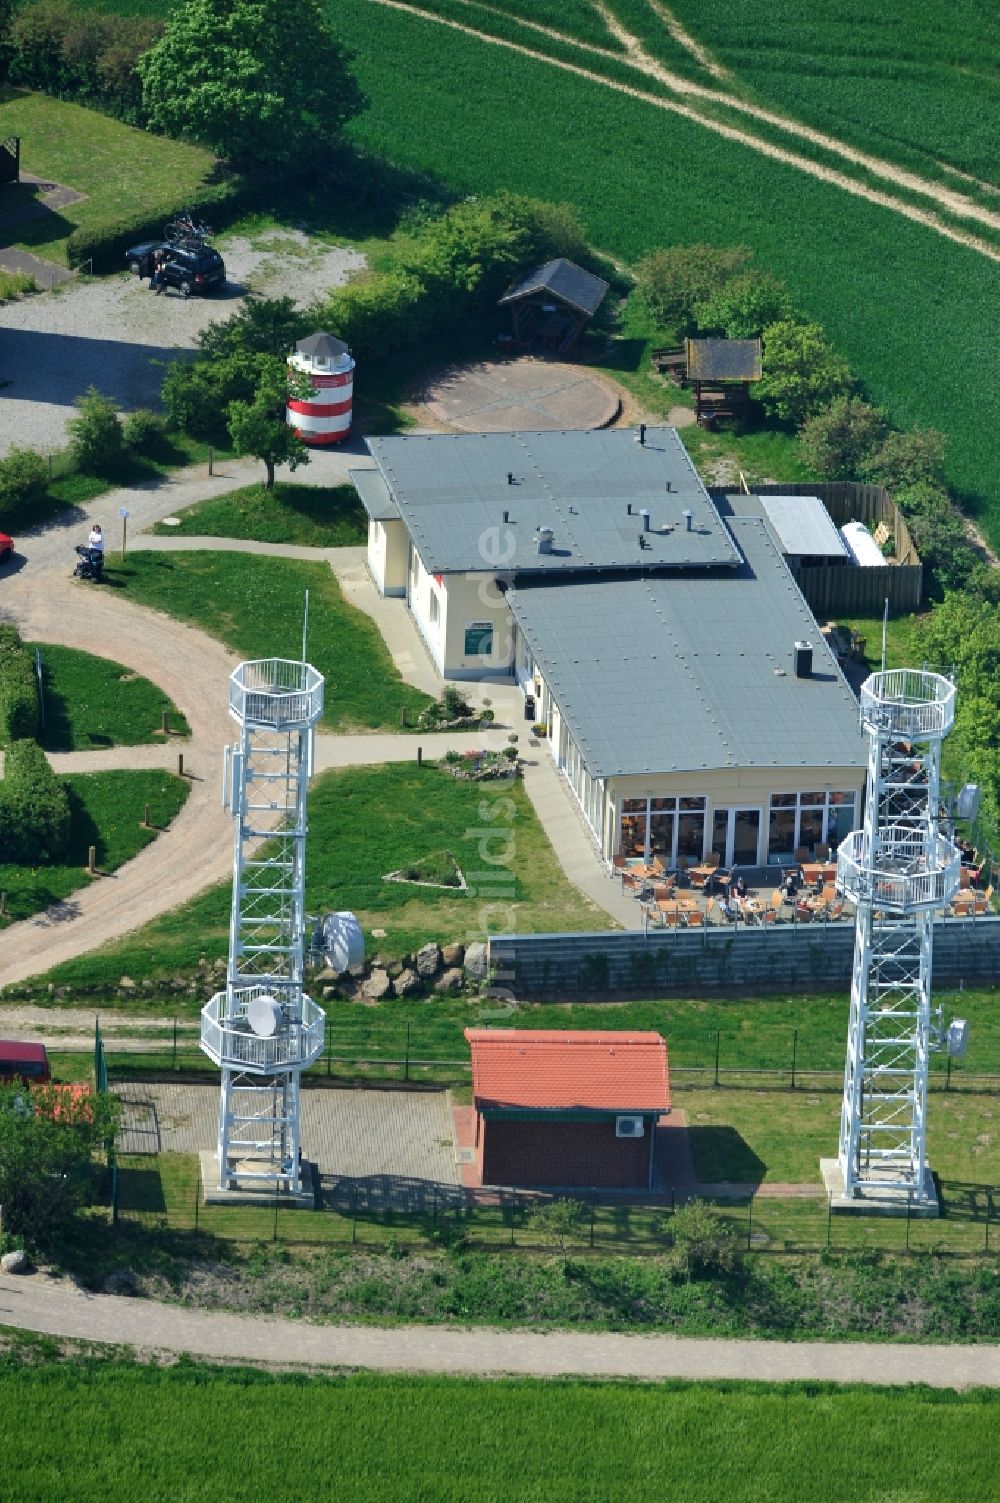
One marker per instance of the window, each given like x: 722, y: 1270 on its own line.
x: 808, y: 819
x: 664, y: 827
x: 435, y: 608
x: 478, y: 639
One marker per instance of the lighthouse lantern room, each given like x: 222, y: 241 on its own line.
x: 326, y: 417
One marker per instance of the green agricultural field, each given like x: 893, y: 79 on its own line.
x: 92, y: 702
x: 642, y: 177
x: 254, y: 605
x: 122, y: 171
x: 311, y: 516
x: 107, y: 810
x: 145, y: 1432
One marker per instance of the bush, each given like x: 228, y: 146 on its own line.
x: 745, y: 306
x: 24, y: 481
x: 34, y: 808
x: 907, y: 459
x: 104, y: 242
x: 674, y: 280
x: 47, y: 1171
x: 143, y: 431
x: 19, y: 717
x: 704, y: 1244
x: 87, y: 55
x: 802, y: 374
x: 96, y: 445
x: 938, y: 534
x: 837, y: 441
x: 559, y: 1221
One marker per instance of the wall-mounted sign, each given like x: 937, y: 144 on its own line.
x: 478, y: 639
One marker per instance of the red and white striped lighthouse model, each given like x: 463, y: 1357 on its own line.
x: 326, y: 417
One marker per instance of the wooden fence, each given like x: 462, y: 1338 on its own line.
x: 836, y: 589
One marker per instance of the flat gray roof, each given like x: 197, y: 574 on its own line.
x: 675, y: 673
x: 452, y: 492
x: 803, y: 526
x: 374, y: 495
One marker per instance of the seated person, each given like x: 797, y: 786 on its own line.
x: 789, y: 885
x: 739, y: 889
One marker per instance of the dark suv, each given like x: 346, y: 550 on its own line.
x: 190, y: 266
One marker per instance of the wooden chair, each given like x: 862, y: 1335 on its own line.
x: 964, y: 877
x: 777, y: 901
x: 800, y: 854
x: 983, y: 901
x: 671, y: 917
x: 822, y: 853
x: 713, y: 859
x: 694, y: 918
x: 656, y: 865
x: 835, y: 911
x: 663, y: 891
x: 803, y: 915
x: 770, y: 915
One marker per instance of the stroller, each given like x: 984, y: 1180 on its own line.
x: 90, y: 563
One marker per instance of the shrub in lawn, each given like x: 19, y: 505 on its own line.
x: 18, y: 690
x: 143, y: 431
x: 97, y: 444
x: 745, y: 306
x: 674, y: 280
x: 802, y: 374
x: 34, y: 807
x: 704, y: 1245
x: 24, y: 481
x: 938, y: 535
x: 837, y: 441
x: 559, y: 1220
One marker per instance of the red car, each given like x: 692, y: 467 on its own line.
x: 6, y: 547
x: 28, y: 1063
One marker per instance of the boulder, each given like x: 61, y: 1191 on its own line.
x: 395, y: 968
x: 329, y: 993
x: 451, y: 981
x: 406, y: 983
x: 377, y: 986
x: 428, y: 960
x: 453, y: 954
x: 15, y: 1262
x: 477, y: 961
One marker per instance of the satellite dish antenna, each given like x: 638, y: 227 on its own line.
x: 264, y: 1015
x: 343, y: 941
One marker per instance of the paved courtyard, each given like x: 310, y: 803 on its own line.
x: 382, y: 1147
x: 504, y: 396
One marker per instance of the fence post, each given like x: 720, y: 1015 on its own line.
x: 593, y: 1215
x: 718, y: 1043
x: 909, y: 1203
x: 406, y: 1062
x: 114, y: 1188
x: 197, y: 1198
x: 354, y: 1213
x: 947, y: 1078
x: 165, y: 723
x: 173, y: 1062
x: 749, y: 1221
x: 328, y: 1041
x: 434, y: 1212
x: 989, y: 1213
x: 513, y: 1218
x: 795, y: 1047
x: 274, y: 1234
x: 829, y: 1218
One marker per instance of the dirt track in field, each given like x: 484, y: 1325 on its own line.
x: 946, y: 199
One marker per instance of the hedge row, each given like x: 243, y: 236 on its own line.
x: 34, y: 808
x: 105, y: 241
x: 18, y: 691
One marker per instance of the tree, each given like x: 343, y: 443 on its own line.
x: 744, y: 306
x: 96, y: 444
x: 48, y: 1138
x: 559, y: 1220
x: 24, y: 479
x: 962, y: 634
x: 256, y: 81
x: 837, y: 441
x: 912, y: 458
x: 703, y: 1243
x: 258, y: 427
x: 938, y: 534
x: 801, y: 372
x: 673, y: 280
x: 263, y: 326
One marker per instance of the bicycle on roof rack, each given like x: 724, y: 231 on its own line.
x: 186, y: 227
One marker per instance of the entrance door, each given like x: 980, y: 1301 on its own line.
x: 736, y: 836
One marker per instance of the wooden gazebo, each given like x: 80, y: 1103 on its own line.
x: 720, y: 370
x: 554, y: 303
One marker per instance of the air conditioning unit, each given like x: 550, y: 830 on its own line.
x: 629, y: 1127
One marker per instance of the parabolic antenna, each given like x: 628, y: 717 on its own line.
x: 264, y: 1015
x: 343, y: 941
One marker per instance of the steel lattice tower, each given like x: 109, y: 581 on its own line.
x: 899, y: 870
x: 263, y: 1030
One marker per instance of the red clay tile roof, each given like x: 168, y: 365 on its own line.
x: 529, y: 1068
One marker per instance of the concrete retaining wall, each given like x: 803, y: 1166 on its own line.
x: 801, y: 958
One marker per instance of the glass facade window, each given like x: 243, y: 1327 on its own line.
x: 664, y: 827
x: 807, y: 819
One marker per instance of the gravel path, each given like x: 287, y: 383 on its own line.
x: 115, y: 335
x: 60, y: 1309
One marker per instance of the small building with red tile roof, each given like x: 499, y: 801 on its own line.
x: 568, y: 1109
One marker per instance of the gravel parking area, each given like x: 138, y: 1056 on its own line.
x: 115, y: 335
x: 385, y: 1142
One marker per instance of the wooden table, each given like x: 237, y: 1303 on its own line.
x: 818, y: 871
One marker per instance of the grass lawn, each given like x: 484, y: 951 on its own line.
x: 445, y: 1438
x: 107, y: 810
x: 254, y: 605
x: 364, y: 822
x: 313, y: 516
x: 777, y: 1136
x: 124, y: 172
x: 93, y: 702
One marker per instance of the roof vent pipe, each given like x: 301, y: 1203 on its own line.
x: 644, y: 514
x: 670, y: 486
x: 510, y: 477
x: 506, y: 516
x: 544, y: 540
x: 642, y: 433
x: 630, y: 508
x: 687, y: 520
x: 803, y: 659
